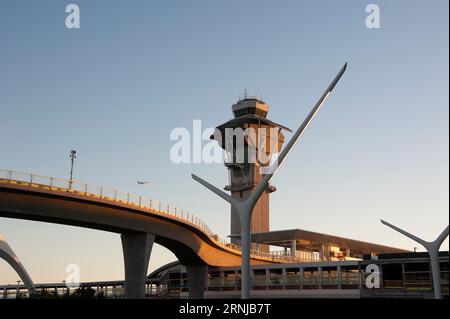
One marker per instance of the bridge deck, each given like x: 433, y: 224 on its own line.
x: 35, y: 197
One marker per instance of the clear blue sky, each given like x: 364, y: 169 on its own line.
x: 116, y: 87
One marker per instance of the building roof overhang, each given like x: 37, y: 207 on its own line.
x: 284, y: 238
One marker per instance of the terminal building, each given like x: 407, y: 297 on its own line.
x: 401, y: 275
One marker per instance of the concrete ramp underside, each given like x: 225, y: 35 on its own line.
x: 187, y: 242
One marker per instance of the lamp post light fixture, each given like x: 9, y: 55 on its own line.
x: 432, y: 248
x: 244, y: 207
x: 73, y: 156
x: 18, y: 288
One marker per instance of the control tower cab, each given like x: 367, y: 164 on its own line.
x: 250, y: 139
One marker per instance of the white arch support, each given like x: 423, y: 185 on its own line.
x: 10, y: 257
x: 432, y: 248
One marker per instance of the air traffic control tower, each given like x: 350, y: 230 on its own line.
x: 244, y: 164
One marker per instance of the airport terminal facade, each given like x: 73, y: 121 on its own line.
x: 402, y: 275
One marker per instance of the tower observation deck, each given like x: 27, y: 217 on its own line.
x: 249, y: 139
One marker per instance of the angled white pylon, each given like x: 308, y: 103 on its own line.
x: 244, y: 207
x: 432, y: 248
x: 10, y: 257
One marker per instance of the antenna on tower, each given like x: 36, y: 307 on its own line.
x: 245, y: 94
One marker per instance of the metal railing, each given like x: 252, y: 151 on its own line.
x: 150, y: 205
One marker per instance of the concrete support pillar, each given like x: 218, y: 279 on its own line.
x: 320, y: 277
x: 222, y: 280
x: 339, y: 277
x: 196, y: 280
x: 347, y: 252
x: 403, y: 275
x: 302, y: 278
x: 436, y: 272
x: 380, y: 266
x: 294, y: 248
x: 360, y: 277
x: 322, y: 252
x: 137, y: 248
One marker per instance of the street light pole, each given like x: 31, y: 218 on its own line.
x: 18, y: 289
x: 244, y: 208
x: 73, y: 156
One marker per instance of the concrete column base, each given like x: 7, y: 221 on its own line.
x: 196, y: 280
x: 137, y: 248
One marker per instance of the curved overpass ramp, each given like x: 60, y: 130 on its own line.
x: 46, y: 199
